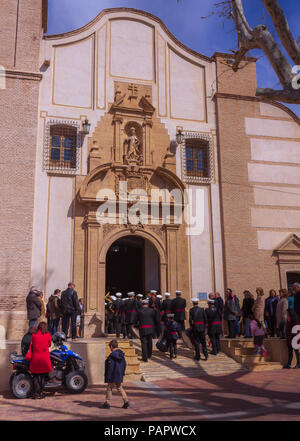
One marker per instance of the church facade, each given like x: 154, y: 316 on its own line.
x: 131, y: 162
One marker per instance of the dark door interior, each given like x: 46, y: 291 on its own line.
x: 125, y: 266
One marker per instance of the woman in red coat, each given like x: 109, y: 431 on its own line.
x: 40, y: 363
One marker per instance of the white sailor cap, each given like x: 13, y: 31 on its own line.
x: 130, y: 294
x: 178, y: 293
x: 195, y: 300
x: 119, y: 294
x: 125, y: 298
x: 113, y: 297
x: 153, y: 291
x: 145, y: 301
x: 140, y: 295
x: 159, y: 296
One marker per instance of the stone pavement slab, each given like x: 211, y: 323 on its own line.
x: 271, y: 395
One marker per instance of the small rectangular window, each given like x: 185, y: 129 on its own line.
x: 197, y: 158
x: 62, y: 147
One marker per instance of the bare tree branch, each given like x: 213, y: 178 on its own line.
x: 281, y: 66
x: 287, y: 95
x: 283, y: 29
x: 261, y: 38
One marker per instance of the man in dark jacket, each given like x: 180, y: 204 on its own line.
x: 117, y: 313
x: 178, y: 306
x: 172, y: 333
x: 214, y: 326
x: 70, y: 309
x: 198, y: 322
x: 34, y: 307
x: 131, y: 314
x: 147, y: 320
x: 115, y: 366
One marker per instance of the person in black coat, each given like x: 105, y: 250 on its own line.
x: 115, y: 366
x: 34, y: 307
x: 198, y: 322
x: 117, y: 313
x: 123, y: 316
x: 178, y: 306
x: 70, y: 308
x: 131, y: 314
x: 214, y: 326
x: 157, y: 306
x: 147, y: 320
x: 172, y: 334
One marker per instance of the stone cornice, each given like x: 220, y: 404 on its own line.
x: 131, y: 11
x: 259, y: 100
x: 23, y: 75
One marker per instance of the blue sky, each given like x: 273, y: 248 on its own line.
x: 184, y: 20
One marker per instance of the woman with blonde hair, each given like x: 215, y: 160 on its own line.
x: 281, y: 313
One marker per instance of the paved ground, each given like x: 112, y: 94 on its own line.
x: 272, y: 395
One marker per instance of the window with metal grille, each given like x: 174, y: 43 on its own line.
x: 63, y: 140
x: 197, y: 157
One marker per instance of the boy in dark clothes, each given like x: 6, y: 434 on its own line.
x: 172, y: 332
x: 115, y: 366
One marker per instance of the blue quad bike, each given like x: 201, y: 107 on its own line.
x: 67, y: 371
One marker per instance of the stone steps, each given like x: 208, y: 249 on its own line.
x: 133, y: 371
x: 243, y: 351
x: 161, y: 367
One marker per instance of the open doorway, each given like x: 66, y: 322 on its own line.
x: 132, y: 264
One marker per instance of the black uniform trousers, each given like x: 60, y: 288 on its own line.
x: 146, y: 343
x: 215, y: 341
x: 181, y: 326
x: 117, y: 326
x: 199, y: 338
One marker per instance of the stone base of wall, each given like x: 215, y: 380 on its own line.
x: 92, y: 352
x: 13, y: 324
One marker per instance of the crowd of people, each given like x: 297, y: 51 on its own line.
x: 61, y: 310
x: 147, y: 317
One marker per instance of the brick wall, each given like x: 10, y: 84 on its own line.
x: 245, y: 265
x: 20, y: 25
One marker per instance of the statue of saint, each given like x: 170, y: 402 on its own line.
x: 133, y: 145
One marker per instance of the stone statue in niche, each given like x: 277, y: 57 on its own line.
x: 132, y: 146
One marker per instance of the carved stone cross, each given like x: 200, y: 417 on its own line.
x: 133, y: 89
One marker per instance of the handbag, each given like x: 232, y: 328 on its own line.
x: 28, y: 356
x: 162, y: 345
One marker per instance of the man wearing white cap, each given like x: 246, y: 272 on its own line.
x: 147, y: 320
x: 178, y: 306
x: 198, y: 322
x: 152, y: 297
x: 131, y: 314
x: 139, y: 298
x: 159, y: 312
x: 117, y: 313
x: 166, y: 308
